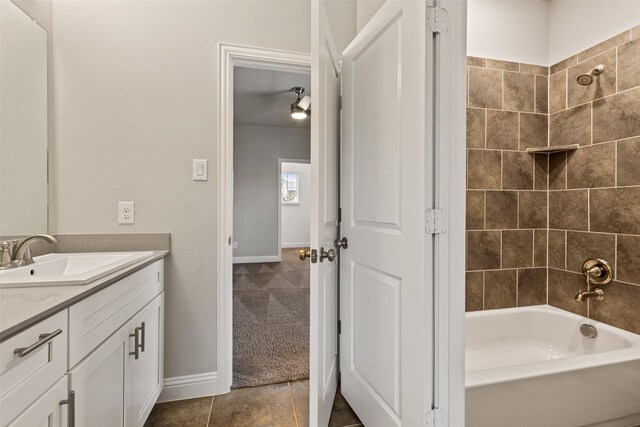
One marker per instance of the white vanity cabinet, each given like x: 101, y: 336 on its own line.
x: 104, y: 369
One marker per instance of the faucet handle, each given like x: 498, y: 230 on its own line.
x: 5, y: 255
x: 597, y: 272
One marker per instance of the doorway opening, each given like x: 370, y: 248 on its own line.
x: 271, y: 223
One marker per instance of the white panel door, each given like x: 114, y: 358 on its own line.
x: 385, y: 274
x: 325, y: 134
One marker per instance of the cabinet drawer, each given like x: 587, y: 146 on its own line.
x: 23, y: 379
x: 94, y: 319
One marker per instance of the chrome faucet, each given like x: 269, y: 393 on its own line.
x: 596, y: 272
x: 19, y: 254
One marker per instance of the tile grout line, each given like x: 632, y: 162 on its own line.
x: 210, y: 411
x: 293, y: 405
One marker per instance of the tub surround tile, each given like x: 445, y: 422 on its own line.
x: 501, y: 210
x: 558, y: 171
x: 542, y: 94
x: 532, y: 286
x: 500, y: 289
x: 593, y: 166
x: 572, y: 126
x: 628, y: 159
x: 603, y: 85
x: 565, y: 63
x: 502, y: 130
x: 569, y: 210
x: 483, y: 250
x: 517, y: 248
x: 532, y: 209
x: 473, y: 61
x: 517, y: 171
x: 540, y: 249
x: 534, y: 69
x: 485, y: 88
x: 519, y: 92
x: 619, y: 307
x: 617, y: 116
x: 583, y: 246
x: 483, y: 169
x: 541, y: 171
x: 475, y: 210
x: 563, y: 287
x: 558, y: 92
x: 608, y: 44
x: 615, y: 210
x: 628, y: 259
x: 503, y: 65
x: 533, y: 131
x: 474, y: 291
x: 557, y: 249
x: 629, y: 65
x: 475, y: 128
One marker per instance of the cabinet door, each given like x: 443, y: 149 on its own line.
x: 46, y: 411
x: 146, y: 372
x: 99, y: 383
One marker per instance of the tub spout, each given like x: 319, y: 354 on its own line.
x: 597, y: 294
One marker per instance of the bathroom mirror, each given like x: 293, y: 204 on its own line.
x: 23, y: 123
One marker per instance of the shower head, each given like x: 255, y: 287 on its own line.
x: 587, y: 79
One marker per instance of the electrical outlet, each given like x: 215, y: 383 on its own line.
x: 235, y: 245
x: 126, y: 213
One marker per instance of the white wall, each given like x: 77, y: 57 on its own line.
x: 136, y: 85
x: 365, y: 10
x: 256, y: 184
x: 511, y: 30
x: 296, y: 219
x: 577, y: 25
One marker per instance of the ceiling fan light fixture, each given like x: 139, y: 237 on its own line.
x: 298, y: 112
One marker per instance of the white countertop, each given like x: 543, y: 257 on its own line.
x: 23, y: 307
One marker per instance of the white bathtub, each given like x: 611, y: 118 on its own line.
x: 531, y: 366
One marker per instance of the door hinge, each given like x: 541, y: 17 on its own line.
x: 339, y: 327
x: 339, y: 214
x: 436, y: 418
x: 435, y: 221
x: 437, y: 20
x: 340, y: 102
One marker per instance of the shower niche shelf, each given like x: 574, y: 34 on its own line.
x: 556, y: 149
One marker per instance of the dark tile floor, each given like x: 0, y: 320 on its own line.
x: 277, y: 405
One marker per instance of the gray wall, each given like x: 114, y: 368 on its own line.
x: 136, y: 87
x: 256, y: 184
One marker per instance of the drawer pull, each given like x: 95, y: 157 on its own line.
x: 43, y: 339
x: 71, y: 410
x: 143, y: 337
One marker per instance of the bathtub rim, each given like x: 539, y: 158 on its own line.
x: 550, y: 367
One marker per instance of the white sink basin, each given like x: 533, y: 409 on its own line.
x: 69, y: 269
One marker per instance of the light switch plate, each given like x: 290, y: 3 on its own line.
x: 200, y: 169
x: 126, y: 213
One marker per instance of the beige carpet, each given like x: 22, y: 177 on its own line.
x: 271, y: 321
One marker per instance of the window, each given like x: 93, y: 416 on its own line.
x: 289, y: 189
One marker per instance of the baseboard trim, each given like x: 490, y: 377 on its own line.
x: 296, y: 245
x: 189, y: 387
x: 255, y: 259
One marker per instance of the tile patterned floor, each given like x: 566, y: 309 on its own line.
x: 277, y: 405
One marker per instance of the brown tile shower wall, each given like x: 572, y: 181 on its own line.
x: 506, y: 187
x: 594, y: 192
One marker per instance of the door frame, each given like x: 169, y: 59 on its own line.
x: 280, y: 162
x: 230, y: 56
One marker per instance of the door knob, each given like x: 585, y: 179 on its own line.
x: 341, y: 243
x: 329, y: 255
x: 304, y: 254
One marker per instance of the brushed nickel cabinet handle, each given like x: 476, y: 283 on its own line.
x: 144, y: 339
x: 136, y: 344
x: 71, y: 410
x: 43, y: 339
